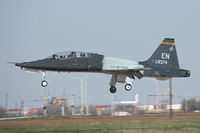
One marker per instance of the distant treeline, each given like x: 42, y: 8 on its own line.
x: 190, y: 105
x: 2, y: 112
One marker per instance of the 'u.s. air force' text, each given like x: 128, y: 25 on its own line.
x: 163, y: 60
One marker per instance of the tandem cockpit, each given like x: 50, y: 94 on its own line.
x: 70, y: 54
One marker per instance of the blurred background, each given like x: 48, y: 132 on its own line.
x: 32, y: 30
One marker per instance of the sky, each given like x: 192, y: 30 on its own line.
x: 129, y: 29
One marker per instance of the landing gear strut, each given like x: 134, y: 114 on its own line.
x: 113, y: 89
x: 44, y: 83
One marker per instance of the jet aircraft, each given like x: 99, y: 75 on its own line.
x: 162, y: 65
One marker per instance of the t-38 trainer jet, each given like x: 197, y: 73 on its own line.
x: 163, y: 64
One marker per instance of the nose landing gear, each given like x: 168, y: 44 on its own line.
x: 44, y: 83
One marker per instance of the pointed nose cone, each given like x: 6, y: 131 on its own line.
x: 31, y: 65
x: 21, y: 64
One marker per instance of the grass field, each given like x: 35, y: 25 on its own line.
x: 158, y: 127
x: 136, y: 124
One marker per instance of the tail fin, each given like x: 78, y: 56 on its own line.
x: 165, y: 55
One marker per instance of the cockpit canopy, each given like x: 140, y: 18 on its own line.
x: 70, y: 54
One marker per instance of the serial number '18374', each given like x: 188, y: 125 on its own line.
x: 160, y: 61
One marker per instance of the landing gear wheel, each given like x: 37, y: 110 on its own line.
x: 128, y: 87
x: 44, y: 83
x: 113, y: 89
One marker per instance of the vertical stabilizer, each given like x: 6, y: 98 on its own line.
x: 165, y: 55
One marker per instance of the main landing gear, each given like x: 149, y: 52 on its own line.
x: 128, y: 87
x: 113, y: 89
x: 44, y: 83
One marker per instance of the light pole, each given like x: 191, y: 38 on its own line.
x: 72, y: 104
x: 112, y: 103
x: 170, y: 96
x: 86, y: 96
x: 156, y: 91
x: 82, y: 100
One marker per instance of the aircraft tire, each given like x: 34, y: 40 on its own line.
x: 128, y: 87
x: 44, y: 83
x: 113, y: 89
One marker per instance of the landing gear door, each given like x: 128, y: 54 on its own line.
x: 89, y: 66
x: 156, y: 71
